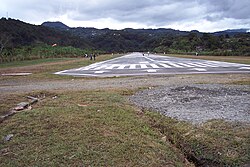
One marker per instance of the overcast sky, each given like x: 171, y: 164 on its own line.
x: 202, y: 15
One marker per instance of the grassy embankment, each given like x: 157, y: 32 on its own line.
x: 101, y: 128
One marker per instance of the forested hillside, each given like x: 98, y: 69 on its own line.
x: 20, y: 41
x: 228, y: 42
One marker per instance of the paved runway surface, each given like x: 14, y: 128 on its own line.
x: 136, y: 64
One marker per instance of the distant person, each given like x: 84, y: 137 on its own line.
x: 91, y: 57
x: 148, y: 53
x: 142, y: 54
x: 196, y: 53
x: 94, y: 56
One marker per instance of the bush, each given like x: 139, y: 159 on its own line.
x: 40, y: 52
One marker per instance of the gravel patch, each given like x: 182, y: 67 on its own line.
x: 198, y: 103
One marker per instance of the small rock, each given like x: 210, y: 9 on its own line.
x: 21, y: 106
x: 164, y: 138
x: 82, y: 105
x: 4, y: 151
x: 54, y: 97
x: 29, y: 108
x: 8, y: 137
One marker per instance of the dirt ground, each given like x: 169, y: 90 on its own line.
x: 209, y: 92
x: 19, y: 84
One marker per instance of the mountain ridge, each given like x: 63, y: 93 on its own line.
x: 162, y: 40
x: 62, y: 26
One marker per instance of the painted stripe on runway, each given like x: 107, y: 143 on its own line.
x: 100, y: 67
x: 100, y: 72
x: 143, y: 66
x: 154, y: 66
x: 245, y: 68
x: 112, y: 66
x: 198, y: 69
x: 203, y: 64
x: 174, y: 64
x: 185, y: 65
x: 211, y: 64
x: 149, y: 59
x: 122, y: 66
x: 165, y: 65
x: 151, y: 70
x: 197, y: 64
x: 132, y: 66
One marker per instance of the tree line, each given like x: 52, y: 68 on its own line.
x: 22, y: 41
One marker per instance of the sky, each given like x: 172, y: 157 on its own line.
x: 186, y: 15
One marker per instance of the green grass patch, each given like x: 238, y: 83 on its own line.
x: 86, y: 128
x: 215, y: 143
x: 241, y: 82
x: 33, y: 62
x: 101, y: 128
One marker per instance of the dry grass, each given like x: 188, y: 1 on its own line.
x: 84, y: 129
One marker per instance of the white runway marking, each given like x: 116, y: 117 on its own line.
x: 154, y: 66
x: 165, y: 65
x: 100, y: 72
x: 130, y: 65
x: 143, y: 66
x: 151, y: 70
x: 122, y: 66
x: 185, y: 65
x: 174, y: 64
x: 198, y: 69
x: 245, y: 68
x: 113, y: 66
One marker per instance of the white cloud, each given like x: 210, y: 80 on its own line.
x: 202, y: 15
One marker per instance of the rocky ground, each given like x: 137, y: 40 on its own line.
x: 198, y: 103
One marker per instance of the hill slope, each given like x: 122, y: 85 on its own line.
x: 21, y: 34
x: 57, y: 25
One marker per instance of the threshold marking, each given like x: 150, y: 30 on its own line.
x: 198, y: 69
x: 151, y: 70
x: 245, y: 68
x: 100, y: 72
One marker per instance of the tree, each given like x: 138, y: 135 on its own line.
x: 4, y: 41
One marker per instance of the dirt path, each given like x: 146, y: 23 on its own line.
x: 21, y: 85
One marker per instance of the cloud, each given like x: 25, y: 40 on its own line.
x: 137, y: 13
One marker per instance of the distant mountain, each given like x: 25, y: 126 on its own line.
x: 232, y: 32
x: 57, y: 25
x: 21, y: 34
x: 90, y: 32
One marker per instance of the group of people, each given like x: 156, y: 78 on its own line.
x: 91, y: 56
x: 144, y: 54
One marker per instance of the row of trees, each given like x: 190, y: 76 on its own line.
x: 21, y: 41
x: 207, y: 44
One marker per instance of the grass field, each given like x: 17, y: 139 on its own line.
x: 102, y: 128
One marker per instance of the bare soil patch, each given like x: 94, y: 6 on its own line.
x: 198, y: 103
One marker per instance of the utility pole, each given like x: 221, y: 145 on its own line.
x: 7, y: 15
